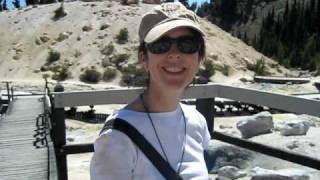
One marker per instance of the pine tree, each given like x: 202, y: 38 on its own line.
x: 318, y: 16
x: 185, y: 3
x: 193, y: 6
x: 16, y: 3
x: 4, y: 6
x: 204, y: 10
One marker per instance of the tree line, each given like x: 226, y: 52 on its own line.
x: 292, y: 37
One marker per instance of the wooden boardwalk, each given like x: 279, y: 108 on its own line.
x: 19, y: 158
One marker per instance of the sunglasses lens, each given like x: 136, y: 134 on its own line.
x: 185, y: 44
x: 162, y: 45
x: 188, y: 45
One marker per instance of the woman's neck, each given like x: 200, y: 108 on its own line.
x: 161, y: 101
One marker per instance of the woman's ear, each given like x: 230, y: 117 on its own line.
x: 143, y: 60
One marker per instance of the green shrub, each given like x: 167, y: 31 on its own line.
x: 90, y: 76
x: 108, y: 49
x: 124, y: 2
x: 316, y: 61
x: 128, y: 2
x: 109, y: 74
x: 105, y: 62
x: 77, y: 54
x: 260, y: 67
x: 53, y: 56
x: 62, y: 73
x: 134, y: 76
x: 123, y: 36
x: 59, y: 13
x: 224, y: 69
x: 119, y: 58
x: 38, y: 41
x: 207, y: 70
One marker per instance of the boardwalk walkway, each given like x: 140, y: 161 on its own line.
x: 19, y: 158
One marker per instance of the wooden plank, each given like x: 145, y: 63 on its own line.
x: 281, y: 80
x: 19, y: 159
x: 122, y: 96
x: 272, y: 100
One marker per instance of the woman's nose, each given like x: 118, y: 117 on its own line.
x: 174, y: 52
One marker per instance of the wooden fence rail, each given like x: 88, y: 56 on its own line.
x: 205, y: 101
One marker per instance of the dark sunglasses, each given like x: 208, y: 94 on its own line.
x: 185, y: 44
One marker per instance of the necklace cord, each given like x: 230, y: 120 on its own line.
x: 155, y: 131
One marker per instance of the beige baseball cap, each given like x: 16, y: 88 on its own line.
x: 164, y: 17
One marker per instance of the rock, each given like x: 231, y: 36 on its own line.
x: 152, y: 1
x: 62, y: 36
x: 230, y: 172
x: 17, y: 57
x: 105, y: 13
x: 213, y: 56
x: 217, y: 156
x: 270, y: 177
x: 87, y: 28
x: 292, y: 145
x: 246, y: 79
x: 70, y: 139
x: 292, y: 128
x: 104, y: 26
x: 283, y: 174
x: 100, y: 37
x: 224, y: 126
x: 132, y: 2
x: 257, y: 124
x: 44, y: 38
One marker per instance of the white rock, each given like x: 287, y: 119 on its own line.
x: 230, y: 172
x: 257, y: 124
x: 291, y: 128
x: 283, y: 174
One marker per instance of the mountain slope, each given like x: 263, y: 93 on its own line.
x: 28, y: 35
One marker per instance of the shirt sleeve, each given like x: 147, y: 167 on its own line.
x: 204, y: 131
x: 115, y: 157
x: 206, y: 135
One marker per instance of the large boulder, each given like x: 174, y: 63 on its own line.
x: 218, y: 155
x: 282, y: 174
x: 257, y: 124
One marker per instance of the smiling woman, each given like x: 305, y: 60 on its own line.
x: 171, y: 48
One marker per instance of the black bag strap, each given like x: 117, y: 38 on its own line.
x: 152, y: 154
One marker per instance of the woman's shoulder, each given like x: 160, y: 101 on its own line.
x: 191, y: 111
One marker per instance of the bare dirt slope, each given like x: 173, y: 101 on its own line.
x: 28, y: 35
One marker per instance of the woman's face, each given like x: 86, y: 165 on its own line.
x: 172, y: 70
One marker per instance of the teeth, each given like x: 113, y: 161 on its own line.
x: 173, y: 69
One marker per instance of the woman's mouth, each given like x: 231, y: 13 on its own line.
x: 174, y: 69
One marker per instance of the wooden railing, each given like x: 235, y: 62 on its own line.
x: 204, y: 95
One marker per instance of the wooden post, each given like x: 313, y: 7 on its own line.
x: 59, y: 139
x: 8, y: 90
x: 206, y: 108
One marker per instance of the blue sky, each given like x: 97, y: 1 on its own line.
x: 23, y: 2
x: 198, y: 1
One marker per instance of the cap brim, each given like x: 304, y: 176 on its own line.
x: 159, y: 30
